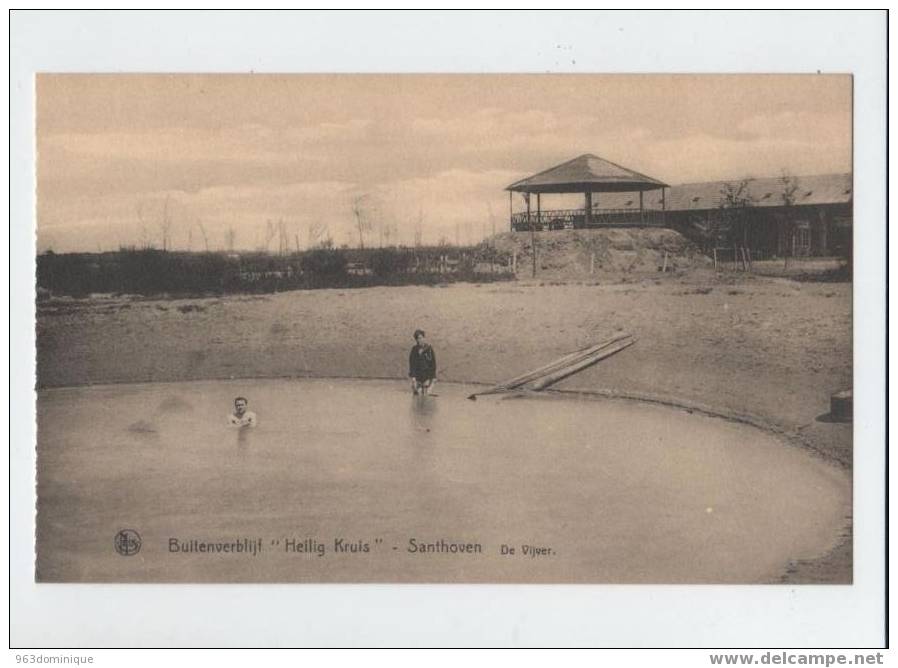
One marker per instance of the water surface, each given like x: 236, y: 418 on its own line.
x: 608, y: 491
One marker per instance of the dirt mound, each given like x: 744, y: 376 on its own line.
x: 617, y: 252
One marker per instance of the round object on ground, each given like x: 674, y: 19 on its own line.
x: 841, y: 406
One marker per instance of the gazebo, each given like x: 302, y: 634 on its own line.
x: 587, y: 174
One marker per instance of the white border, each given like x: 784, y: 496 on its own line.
x: 617, y: 616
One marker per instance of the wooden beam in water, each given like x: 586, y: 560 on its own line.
x: 567, y: 371
x: 557, y: 365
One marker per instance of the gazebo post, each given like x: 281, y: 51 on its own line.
x: 663, y: 207
x: 539, y: 217
x: 510, y: 211
x: 532, y: 233
x: 588, y: 208
x: 641, y: 210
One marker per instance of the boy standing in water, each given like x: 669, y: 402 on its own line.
x: 422, y: 365
x: 241, y: 417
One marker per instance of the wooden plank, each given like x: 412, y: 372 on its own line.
x: 562, y: 362
x: 580, y: 366
x: 559, y: 363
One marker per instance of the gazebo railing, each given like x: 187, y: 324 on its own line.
x: 570, y: 219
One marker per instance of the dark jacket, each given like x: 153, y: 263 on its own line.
x: 422, y: 362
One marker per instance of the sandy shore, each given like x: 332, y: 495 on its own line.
x: 770, y: 350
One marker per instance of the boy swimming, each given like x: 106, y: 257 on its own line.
x: 241, y: 417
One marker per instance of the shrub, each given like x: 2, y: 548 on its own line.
x: 390, y: 262
x: 324, y: 267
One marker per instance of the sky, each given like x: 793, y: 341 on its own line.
x: 252, y: 161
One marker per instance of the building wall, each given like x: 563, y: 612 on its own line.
x: 818, y: 230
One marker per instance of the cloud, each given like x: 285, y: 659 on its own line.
x: 114, y: 219
x: 245, y: 143
x: 796, y: 125
x: 702, y: 157
x: 236, y: 152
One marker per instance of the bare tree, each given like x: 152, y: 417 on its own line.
x: 790, y: 186
x: 362, y: 220
x: 316, y: 233
x: 283, y: 237
x: 162, y: 222
x: 165, y: 222
x: 736, y: 195
x: 144, y: 234
x: 736, y: 199
x: 202, y: 229
x: 268, y: 235
x: 419, y: 232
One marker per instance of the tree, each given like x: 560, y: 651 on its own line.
x: 387, y: 232
x: 316, y: 233
x: 419, y: 232
x: 362, y: 221
x: 165, y: 222
x: 270, y: 232
x: 790, y: 186
x: 735, y: 199
x: 205, y: 235
x: 162, y: 221
x: 736, y: 195
x: 144, y: 234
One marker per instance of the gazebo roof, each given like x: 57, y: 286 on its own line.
x: 586, y: 173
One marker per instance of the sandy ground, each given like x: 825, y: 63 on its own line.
x: 768, y: 350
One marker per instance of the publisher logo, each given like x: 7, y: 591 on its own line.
x: 127, y: 542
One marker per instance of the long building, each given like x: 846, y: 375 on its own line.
x: 774, y: 216
x: 808, y: 215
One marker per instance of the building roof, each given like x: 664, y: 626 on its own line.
x: 763, y: 192
x: 586, y: 173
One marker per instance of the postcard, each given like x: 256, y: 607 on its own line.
x: 479, y: 328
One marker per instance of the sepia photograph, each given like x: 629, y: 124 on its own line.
x: 444, y: 328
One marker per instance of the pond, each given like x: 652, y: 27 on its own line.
x: 359, y: 481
